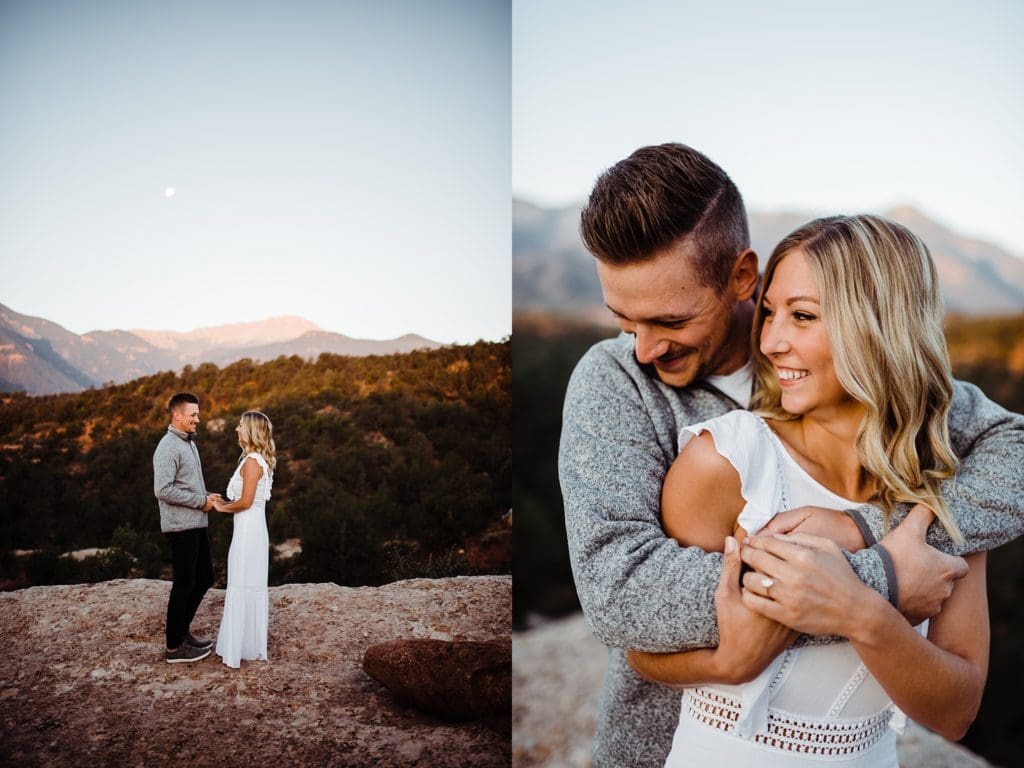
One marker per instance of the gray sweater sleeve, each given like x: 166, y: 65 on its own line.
x: 987, y: 495
x: 638, y: 588
x: 165, y: 475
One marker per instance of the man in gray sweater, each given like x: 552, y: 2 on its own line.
x: 181, y: 493
x: 670, y: 234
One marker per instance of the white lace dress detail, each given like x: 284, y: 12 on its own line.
x: 813, y: 704
x: 243, y: 627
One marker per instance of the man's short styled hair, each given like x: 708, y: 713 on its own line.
x: 179, y: 400
x: 660, y: 197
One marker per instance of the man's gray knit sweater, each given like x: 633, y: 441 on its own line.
x: 641, y: 590
x: 178, y: 483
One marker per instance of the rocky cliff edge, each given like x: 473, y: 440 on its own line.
x: 83, y: 680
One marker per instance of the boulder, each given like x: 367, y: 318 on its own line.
x: 454, y: 680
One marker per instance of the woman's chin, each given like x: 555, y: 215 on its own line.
x: 794, y: 404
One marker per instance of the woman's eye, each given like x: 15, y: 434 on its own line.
x: 803, y: 316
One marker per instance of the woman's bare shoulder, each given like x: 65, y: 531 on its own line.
x: 701, y: 499
x: 252, y: 466
x: 701, y: 454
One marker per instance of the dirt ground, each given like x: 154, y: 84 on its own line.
x: 83, y: 680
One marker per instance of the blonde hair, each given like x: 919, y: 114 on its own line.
x: 257, y: 434
x: 880, y: 302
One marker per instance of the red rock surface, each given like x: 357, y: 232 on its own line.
x: 83, y: 680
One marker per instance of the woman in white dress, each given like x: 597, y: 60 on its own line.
x: 243, y: 628
x: 852, y: 392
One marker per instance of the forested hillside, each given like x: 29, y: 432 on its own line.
x: 389, y: 467
x: 990, y: 353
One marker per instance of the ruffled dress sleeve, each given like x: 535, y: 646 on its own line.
x: 266, y: 479
x: 746, y: 441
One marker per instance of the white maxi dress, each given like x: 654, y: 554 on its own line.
x: 813, y: 704
x: 243, y: 628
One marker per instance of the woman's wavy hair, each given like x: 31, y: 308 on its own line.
x: 257, y: 434
x: 880, y: 302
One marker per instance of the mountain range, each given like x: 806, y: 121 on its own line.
x: 553, y: 272
x: 38, y: 356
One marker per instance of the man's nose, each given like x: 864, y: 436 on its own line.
x: 649, y: 346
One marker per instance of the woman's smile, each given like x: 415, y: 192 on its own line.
x: 789, y: 377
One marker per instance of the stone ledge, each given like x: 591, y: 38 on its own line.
x: 83, y: 681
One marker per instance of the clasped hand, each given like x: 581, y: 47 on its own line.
x: 747, y: 640
x: 753, y: 629
x: 214, y: 501
x: 805, y: 582
x: 802, y: 581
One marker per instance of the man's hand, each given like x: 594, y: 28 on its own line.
x: 817, y: 521
x: 210, y: 498
x: 804, y: 582
x: 924, y: 575
x: 747, y: 641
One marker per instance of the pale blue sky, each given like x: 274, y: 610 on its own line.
x: 807, y: 105
x: 348, y: 162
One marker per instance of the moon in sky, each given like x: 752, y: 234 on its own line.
x: 169, y: 192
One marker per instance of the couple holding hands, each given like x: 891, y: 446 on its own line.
x: 184, y: 503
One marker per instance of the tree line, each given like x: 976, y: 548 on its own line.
x: 388, y: 466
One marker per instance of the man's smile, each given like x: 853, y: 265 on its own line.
x: 672, y: 361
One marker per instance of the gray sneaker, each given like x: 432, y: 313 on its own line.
x: 185, y: 654
x: 198, y: 642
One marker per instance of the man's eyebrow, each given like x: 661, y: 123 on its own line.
x: 662, y: 320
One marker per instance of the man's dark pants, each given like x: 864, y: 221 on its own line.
x: 192, y: 569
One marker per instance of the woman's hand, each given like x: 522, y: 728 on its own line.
x: 817, y: 521
x: 748, y: 641
x: 802, y: 581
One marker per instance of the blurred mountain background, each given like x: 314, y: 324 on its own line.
x: 40, y: 357
x: 559, y: 313
x: 552, y: 271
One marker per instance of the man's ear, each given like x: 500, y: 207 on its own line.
x: 744, y: 275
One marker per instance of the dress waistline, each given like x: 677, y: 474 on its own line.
x: 788, y: 732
